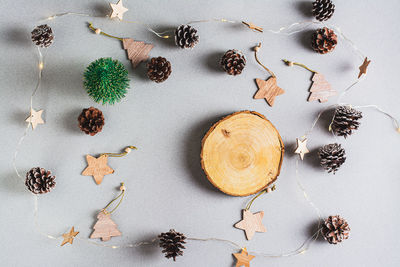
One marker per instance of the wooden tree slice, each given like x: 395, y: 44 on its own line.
x: 242, y: 153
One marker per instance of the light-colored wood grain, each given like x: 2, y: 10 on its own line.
x: 136, y: 51
x: 97, y: 167
x: 243, y: 258
x: 69, y: 237
x: 105, y: 228
x: 320, y: 89
x: 35, y: 118
x: 118, y: 10
x: 251, y: 223
x: 246, y: 160
x: 363, y: 67
x: 268, y: 89
x: 301, y: 148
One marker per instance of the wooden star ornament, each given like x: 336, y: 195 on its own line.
x: 251, y: 223
x: 118, y: 10
x: 268, y: 89
x: 69, y: 237
x: 301, y: 148
x: 97, y: 167
x: 35, y: 118
x: 243, y: 258
x: 363, y: 67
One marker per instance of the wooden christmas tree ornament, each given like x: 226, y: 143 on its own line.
x: 242, y: 153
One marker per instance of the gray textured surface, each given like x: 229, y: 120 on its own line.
x: 166, y: 187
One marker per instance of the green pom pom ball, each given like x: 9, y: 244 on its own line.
x: 106, y: 80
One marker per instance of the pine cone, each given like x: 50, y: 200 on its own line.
x: 324, y: 40
x: 335, y: 229
x: 39, y: 181
x: 158, y: 69
x: 186, y: 36
x: 171, y: 242
x: 91, y: 120
x: 332, y: 156
x: 323, y: 9
x: 42, y: 36
x: 345, y: 120
x: 233, y: 62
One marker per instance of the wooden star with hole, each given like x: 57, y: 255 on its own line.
x: 69, y: 237
x: 35, y: 118
x: 97, y: 167
x: 118, y: 10
x: 363, y: 67
x: 243, y: 258
x: 268, y: 90
x: 301, y: 148
x: 251, y: 223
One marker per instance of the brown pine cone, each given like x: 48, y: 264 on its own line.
x: 332, y: 156
x: 186, y: 36
x: 158, y: 69
x: 345, y: 121
x: 323, y: 9
x: 233, y: 62
x: 42, y: 36
x: 91, y: 121
x: 335, y: 229
x: 324, y: 40
x: 39, y: 181
x: 172, y: 244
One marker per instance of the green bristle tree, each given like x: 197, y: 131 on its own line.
x: 106, y: 80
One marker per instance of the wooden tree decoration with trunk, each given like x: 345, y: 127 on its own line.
x: 320, y: 89
x: 242, y: 153
x: 105, y: 228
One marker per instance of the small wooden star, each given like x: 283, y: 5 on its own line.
x: 35, y: 118
x: 252, y: 26
x: 69, y: 237
x: 251, y: 223
x: 268, y: 90
x: 97, y: 167
x: 243, y: 258
x: 363, y: 67
x: 301, y: 148
x: 118, y: 10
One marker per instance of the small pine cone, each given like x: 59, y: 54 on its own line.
x: 323, y: 9
x: 42, y: 36
x: 91, y: 121
x: 186, y: 36
x: 39, y: 181
x: 324, y: 40
x: 332, y: 156
x: 345, y: 121
x: 172, y: 244
x: 158, y: 69
x: 335, y: 229
x: 233, y: 62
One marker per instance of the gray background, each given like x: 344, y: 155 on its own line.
x: 166, y: 187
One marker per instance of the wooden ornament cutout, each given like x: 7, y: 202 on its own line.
x: 320, y: 89
x: 118, y: 10
x: 35, y: 118
x: 268, y: 90
x: 251, y: 223
x: 69, y: 237
x: 136, y: 51
x: 97, y: 167
x: 242, y: 153
x: 253, y: 26
x: 301, y: 148
x: 105, y: 228
x: 363, y: 67
x: 243, y: 258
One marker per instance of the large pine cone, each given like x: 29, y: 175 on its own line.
x: 332, y: 156
x: 186, y: 36
x: 172, y: 244
x: 42, y: 36
x: 324, y: 40
x: 158, y: 69
x: 323, y: 9
x: 91, y: 121
x: 335, y: 229
x: 39, y: 181
x: 233, y: 62
x: 345, y: 120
